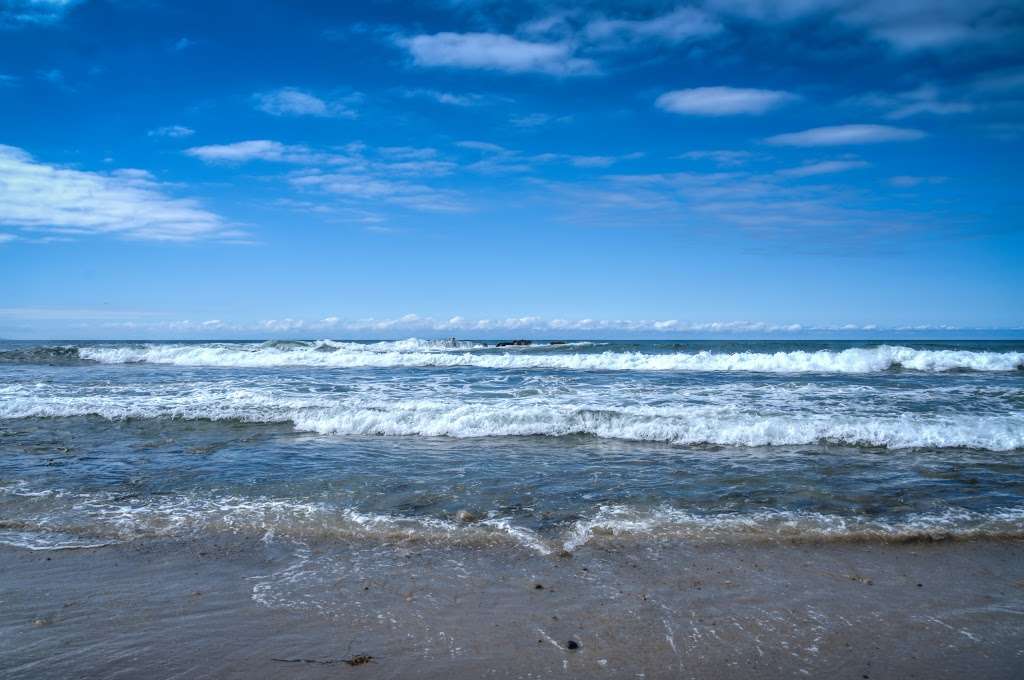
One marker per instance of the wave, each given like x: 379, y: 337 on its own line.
x: 415, y: 353
x: 681, y: 425
x: 52, y: 355
x: 617, y: 522
x: 87, y: 520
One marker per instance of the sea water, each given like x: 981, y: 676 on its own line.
x: 543, y: 448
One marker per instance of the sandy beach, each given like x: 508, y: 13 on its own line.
x: 244, y: 608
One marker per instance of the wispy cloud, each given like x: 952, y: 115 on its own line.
x: 533, y: 120
x: 678, y: 25
x: 251, y: 150
x: 129, y: 203
x: 387, y: 175
x: 1001, y: 81
x: 290, y: 101
x: 926, y: 99
x: 909, y: 181
x: 722, y: 101
x: 495, y: 51
x: 174, y: 131
x: 34, y: 12
x: 527, y: 326
x: 720, y: 157
x: 839, y: 135
x: 822, y: 168
x: 767, y: 207
x: 907, y: 25
x: 375, y: 186
x: 451, y: 98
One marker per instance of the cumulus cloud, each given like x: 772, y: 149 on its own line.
x: 822, y: 168
x: 129, y: 203
x: 838, y: 135
x: 290, y: 101
x: 722, y: 101
x: 175, y: 131
x: 496, y: 51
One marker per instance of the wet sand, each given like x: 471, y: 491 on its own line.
x: 240, y: 607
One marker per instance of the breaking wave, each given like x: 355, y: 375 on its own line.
x: 88, y: 520
x: 679, y: 425
x: 420, y: 353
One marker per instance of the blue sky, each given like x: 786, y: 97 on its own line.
x: 250, y: 169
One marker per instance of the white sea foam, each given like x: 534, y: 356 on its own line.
x: 618, y: 521
x: 89, y: 520
x: 414, y: 353
x: 725, y: 423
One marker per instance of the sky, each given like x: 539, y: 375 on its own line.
x: 537, y: 169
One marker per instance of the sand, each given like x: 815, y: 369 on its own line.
x: 241, y: 607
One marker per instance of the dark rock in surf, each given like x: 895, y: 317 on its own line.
x: 514, y: 343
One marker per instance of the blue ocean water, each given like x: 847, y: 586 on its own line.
x: 547, y: 447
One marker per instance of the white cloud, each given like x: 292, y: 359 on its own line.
x: 481, y: 146
x: 495, y: 51
x: 924, y: 99
x: 290, y: 101
x: 906, y: 25
x: 42, y: 197
x: 722, y: 101
x: 7, y: 237
x: 721, y: 157
x: 822, y: 168
x: 450, y: 98
x: 175, y: 131
x: 532, y: 120
x: 486, y: 328
x: 908, y: 181
x: 374, y: 186
x: 254, y: 149
x: 676, y: 26
x: 27, y: 12
x: 846, y: 134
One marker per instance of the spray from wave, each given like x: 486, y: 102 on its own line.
x: 420, y: 353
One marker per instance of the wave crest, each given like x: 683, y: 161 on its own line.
x: 419, y: 353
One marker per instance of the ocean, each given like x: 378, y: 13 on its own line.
x: 542, y: 448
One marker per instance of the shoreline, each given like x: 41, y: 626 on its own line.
x: 227, y: 606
